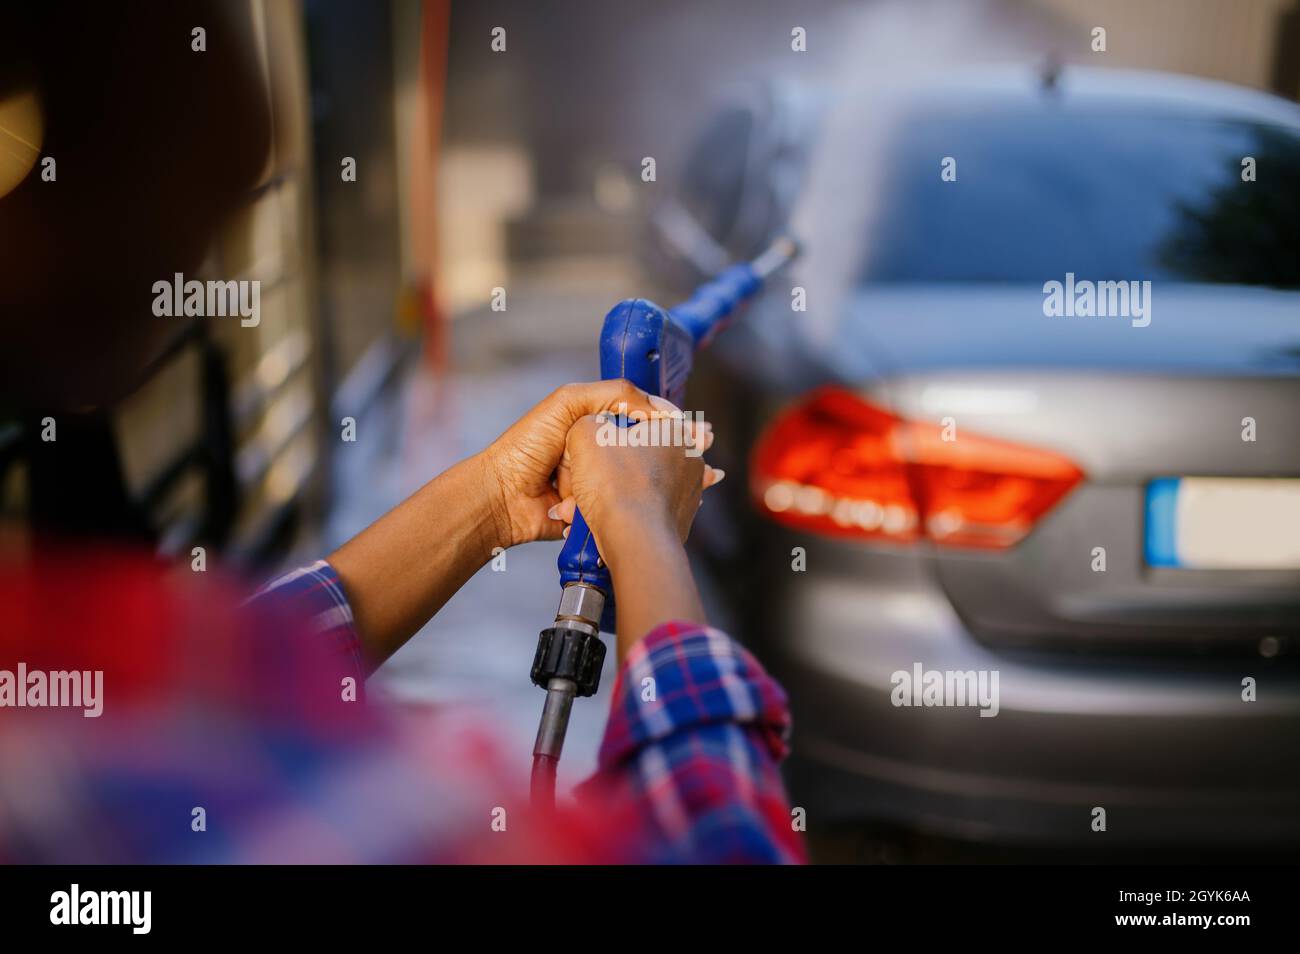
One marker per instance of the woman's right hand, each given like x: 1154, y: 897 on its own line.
x: 628, y: 491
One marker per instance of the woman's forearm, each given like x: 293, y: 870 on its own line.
x: 652, y: 580
x: 401, y: 569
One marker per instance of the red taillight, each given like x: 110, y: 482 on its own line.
x: 839, y: 465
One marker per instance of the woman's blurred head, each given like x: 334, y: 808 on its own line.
x: 153, y: 142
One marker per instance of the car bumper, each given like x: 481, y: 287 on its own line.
x: 1168, y: 748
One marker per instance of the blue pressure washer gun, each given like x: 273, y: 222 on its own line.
x: 654, y: 349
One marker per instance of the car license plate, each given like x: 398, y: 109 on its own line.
x: 1223, y: 523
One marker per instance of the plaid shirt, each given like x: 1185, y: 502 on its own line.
x: 236, y: 734
x: 687, y: 769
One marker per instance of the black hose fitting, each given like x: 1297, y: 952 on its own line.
x: 572, y: 654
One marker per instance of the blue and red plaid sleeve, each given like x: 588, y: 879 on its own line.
x: 688, y: 764
x: 694, y: 737
x: 313, y: 596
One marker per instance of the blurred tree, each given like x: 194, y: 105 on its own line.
x: 1246, y: 233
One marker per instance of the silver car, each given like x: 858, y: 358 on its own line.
x: 1017, y: 516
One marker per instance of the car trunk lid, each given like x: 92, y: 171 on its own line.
x: 1210, y: 389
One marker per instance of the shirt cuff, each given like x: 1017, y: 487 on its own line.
x: 684, y: 675
x: 314, y: 596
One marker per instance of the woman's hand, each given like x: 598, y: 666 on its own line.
x: 521, y: 465
x: 628, y: 487
x: 639, y: 501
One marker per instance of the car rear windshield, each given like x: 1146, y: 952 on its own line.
x: 1039, y: 193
